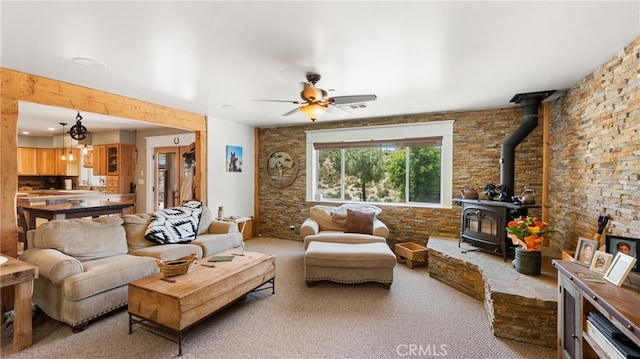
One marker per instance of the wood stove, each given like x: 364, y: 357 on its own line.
x: 484, y: 223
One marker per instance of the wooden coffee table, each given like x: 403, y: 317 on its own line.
x: 171, y: 306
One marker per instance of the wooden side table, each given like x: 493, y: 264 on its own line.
x: 245, y: 225
x: 20, y: 275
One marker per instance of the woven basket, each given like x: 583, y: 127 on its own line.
x: 177, y: 266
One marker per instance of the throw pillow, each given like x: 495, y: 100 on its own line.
x: 359, y: 222
x: 176, y: 224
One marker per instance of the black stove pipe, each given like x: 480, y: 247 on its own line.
x: 530, y: 103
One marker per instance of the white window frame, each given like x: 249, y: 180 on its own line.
x: 388, y: 132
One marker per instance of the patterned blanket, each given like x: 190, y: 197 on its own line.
x: 176, y: 224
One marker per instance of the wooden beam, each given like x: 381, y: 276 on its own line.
x: 18, y: 86
x: 9, y: 183
x: 25, y: 87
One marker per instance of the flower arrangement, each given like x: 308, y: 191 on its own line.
x: 527, y: 232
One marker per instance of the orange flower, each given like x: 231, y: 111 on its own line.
x: 527, y: 232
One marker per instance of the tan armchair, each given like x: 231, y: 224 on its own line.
x: 348, y: 223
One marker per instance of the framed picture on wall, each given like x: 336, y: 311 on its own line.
x: 234, y: 158
x: 619, y: 269
x: 626, y: 245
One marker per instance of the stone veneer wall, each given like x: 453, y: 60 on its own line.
x: 594, y: 160
x: 595, y: 152
x: 477, y: 139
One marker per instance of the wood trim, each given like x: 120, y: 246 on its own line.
x: 256, y: 182
x: 18, y: 86
x: 546, y: 119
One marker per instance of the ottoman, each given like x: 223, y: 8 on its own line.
x: 349, y: 263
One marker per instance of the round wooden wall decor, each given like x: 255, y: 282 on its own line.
x: 282, y: 168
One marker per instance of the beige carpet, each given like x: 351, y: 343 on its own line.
x: 417, y: 317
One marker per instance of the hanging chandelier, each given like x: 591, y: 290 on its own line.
x: 78, y: 132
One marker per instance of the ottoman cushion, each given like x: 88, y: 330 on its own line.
x: 362, y: 255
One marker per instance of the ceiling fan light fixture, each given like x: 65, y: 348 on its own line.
x: 313, y: 111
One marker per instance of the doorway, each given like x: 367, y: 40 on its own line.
x: 170, y: 170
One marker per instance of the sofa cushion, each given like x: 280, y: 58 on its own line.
x: 168, y: 251
x: 216, y: 243
x: 205, y: 220
x: 324, y: 216
x: 175, y: 224
x: 341, y: 237
x: 332, y: 218
x: 84, y: 239
x: 135, y: 226
x: 359, y: 222
x: 104, y: 274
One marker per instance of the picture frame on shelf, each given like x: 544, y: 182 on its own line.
x: 585, y: 250
x: 626, y: 245
x: 601, y: 262
x: 619, y: 269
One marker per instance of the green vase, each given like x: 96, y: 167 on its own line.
x: 528, y: 262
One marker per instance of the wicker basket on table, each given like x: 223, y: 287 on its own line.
x: 178, y: 266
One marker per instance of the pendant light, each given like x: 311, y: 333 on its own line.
x: 64, y: 148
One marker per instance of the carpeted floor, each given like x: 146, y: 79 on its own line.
x: 417, y: 317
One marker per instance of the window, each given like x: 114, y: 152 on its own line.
x: 408, y: 164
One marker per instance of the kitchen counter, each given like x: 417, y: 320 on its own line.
x: 55, y: 196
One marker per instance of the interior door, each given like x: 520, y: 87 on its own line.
x: 168, y: 177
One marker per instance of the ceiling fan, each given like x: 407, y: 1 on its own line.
x: 316, y: 101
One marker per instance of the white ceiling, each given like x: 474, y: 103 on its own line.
x: 417, y: 57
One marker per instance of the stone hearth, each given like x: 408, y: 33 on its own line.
x: 519, y: 307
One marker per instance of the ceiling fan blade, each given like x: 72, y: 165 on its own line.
x: 337, y: 110
x: 343, y: 100
x: 291, y: 112
x: 287, y: 101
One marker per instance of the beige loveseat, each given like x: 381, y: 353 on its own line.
x: 330, y: 224
x: 346, y: 244
x: 85, y: 265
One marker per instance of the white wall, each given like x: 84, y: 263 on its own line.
x: 233, y: 190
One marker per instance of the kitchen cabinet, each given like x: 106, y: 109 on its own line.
x: 99, y: 160
x: 120, y: 167
x: 46, y: 162
x: 27, y: 161
x: 70, y: 166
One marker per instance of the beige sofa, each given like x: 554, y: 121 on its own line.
x: 85, y: 265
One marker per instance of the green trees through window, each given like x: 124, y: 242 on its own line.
x: 381, y: 173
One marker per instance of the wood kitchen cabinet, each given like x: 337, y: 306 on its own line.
x: 27, y: 161
x: 99, y: 160
x: 120, y: 167
x: 70, y: 166
x: 47, y: 162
